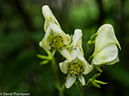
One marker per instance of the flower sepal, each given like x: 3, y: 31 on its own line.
x: 94, y: 82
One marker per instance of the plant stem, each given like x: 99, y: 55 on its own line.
x: 89, y: 44
x: 88, y: 50
x: 58, y: 85
x: 80, y: 89
x: 62, y: 90
x: 55, y: 70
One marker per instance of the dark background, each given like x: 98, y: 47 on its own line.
x: 21, y: 30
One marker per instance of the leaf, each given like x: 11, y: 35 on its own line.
x: 43, y: 57
x: 44, y: 62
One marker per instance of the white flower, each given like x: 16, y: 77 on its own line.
x: 77, y: 40
x: 54, y: 38
x: 49, y: 17
x: 75, y: 68
x: 106, y: 51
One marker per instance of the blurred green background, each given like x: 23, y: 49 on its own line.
x: 22, y: 28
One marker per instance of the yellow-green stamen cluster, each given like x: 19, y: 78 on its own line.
x: 75, y: 69
x: 57, y: 42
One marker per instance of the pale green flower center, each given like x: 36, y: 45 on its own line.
x: 57, y: 42
x: 75, y: 69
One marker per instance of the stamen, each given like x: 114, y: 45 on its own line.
x: 75, y: 69
x: 57, y: 42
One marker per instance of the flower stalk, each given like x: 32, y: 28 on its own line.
x: 89, y: 45
x: 61, y: 91
x: 55, y: 70
x: 80, y: 89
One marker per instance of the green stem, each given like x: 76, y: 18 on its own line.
x: 90, y: 58
x: 88, y: 83
x: 55, y: 69
x: 80, y: 89
x: 88, y: 50
x: 90, y: 43
x: 62, y: 90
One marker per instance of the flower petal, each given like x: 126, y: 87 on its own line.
x: 77, y: 53
x: 65, y: 53
x: 81, y: 79
x: 77, y: 40
x: 114, y: 61
x: 77, y: 36
x: 77, y: 56
x: 46, y: 40
x: 46, y: 25
x: 70, y: 80
x: 48, y: 15
x: 108, y: 54
x: 87, y: 68
x: 58, y: 31
x: 63, y: 67
x: 105, y: 35
x: 53, y: 52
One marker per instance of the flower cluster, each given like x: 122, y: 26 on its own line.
x: 75, y: 65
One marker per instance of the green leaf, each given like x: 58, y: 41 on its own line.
x: 44, y: 62
x: 96, y: 75
x: 95, y: 84
x: 100, y: 82
x: 43, y: 57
